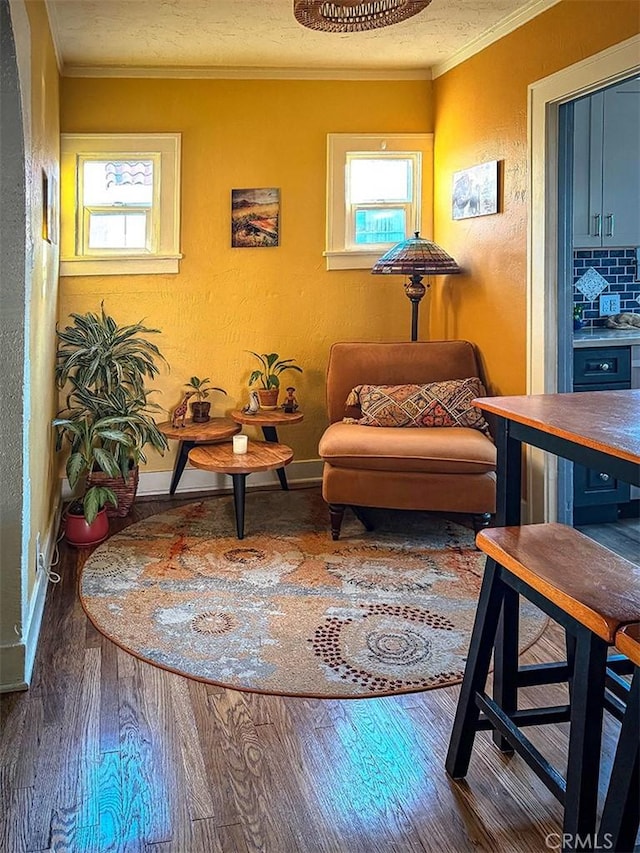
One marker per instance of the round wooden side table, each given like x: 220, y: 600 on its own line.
x: 190, y: 435
x: 260, y: 456
x: 269, y: 421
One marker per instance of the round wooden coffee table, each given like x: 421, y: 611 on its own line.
x: 190, y: 435
x: 260, y: 456
x: 269, y: 421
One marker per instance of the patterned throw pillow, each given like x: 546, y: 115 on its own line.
x: 438, y: 404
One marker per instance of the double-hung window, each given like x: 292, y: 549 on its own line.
x: 379, y: 191
x: 120, y: 203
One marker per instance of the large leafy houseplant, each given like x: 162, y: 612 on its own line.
x: 103, y: 367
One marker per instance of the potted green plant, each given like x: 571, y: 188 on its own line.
x: 578, y: 312
x: 86, y: 521
x: 104, y: 367
x: 200, y: 406
x: 268, y: 374
x: 132, y: 413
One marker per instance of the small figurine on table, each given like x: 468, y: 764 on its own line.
x: 253, y: 405
x: 290, y: 404
x: 180, y: 412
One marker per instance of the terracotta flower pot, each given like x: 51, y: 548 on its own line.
x: 200, y: 412
x: 81, y: 534
x: 268, y: 398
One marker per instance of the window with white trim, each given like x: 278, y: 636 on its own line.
x: 120, y: 205
x: 379, y: 192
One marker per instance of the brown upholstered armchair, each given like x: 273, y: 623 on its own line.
x: 448, y: 469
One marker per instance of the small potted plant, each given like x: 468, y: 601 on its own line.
x: 200, y: 407
x: 271, y: 366
x: 578, y: 320
x: 86, y: 521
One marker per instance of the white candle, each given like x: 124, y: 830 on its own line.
x: 240, y: 443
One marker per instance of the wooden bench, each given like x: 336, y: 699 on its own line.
x: 591, y: 592
x: 621, y: 813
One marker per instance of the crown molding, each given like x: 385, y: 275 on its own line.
x: 503, y: 28
x: 493, y: 34
x: 249, y: 73
x: 54, y: 29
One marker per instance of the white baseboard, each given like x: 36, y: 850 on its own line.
x: 13, y: 668
x: 18, y: 658
x: 194, y: 480
x: 31, y: 629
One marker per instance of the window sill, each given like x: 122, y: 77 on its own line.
x: 352, y: 260
x: 120, y: 266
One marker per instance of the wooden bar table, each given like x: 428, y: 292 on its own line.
x: 269, y: 420
x: 260, y: 456
x: 598, y: 429
x: 190, y: 435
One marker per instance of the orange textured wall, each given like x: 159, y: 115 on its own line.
x: 481, y: 115
x: 224, y: 301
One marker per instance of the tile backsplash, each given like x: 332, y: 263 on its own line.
x: 619, y: 271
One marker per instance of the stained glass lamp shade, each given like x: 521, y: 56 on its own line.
x: 416, y: 257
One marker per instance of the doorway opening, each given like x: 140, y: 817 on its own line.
x: 546, y: 262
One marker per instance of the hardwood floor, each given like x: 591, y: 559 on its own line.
x: 623, y: 537
x: 107, y: 753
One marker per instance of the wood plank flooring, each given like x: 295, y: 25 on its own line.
x: 107, y: 753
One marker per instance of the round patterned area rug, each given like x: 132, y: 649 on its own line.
x: 287, y: 610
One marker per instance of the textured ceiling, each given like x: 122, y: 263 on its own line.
x: 261, y: 34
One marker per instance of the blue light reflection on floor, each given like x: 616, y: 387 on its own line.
x: 375, y: 767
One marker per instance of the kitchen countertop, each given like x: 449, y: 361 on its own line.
x: 606, y: 337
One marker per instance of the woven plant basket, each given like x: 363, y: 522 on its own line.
x: 125, y: 492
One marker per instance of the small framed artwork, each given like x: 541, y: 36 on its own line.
x: 475, y: 191
x: 255, y: 218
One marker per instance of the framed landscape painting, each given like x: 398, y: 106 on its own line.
x: 255, y: 218
x: 475, y: 191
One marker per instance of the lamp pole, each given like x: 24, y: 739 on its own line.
x: 415, y: 290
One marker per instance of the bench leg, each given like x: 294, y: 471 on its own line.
x: 621, y: 814
x: 336, y: 514
x: 476, y: 672
x: 583, y: 765
x: 505, y: 663
x: 570, y: 643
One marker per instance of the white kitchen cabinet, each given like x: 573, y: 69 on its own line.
x: 606, y: 167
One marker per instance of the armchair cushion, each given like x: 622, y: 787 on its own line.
x: 444, y: 450
x: 436, y: 404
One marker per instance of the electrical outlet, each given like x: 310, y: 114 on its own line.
x: 609, y: 304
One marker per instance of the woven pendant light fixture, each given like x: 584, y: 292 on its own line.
x: 349, y: 16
